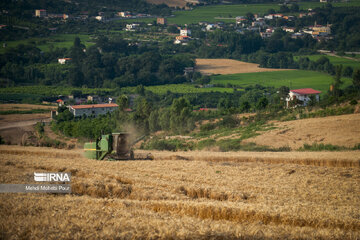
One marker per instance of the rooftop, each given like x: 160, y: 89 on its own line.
x: 305, y: 91
x: 94, y: 106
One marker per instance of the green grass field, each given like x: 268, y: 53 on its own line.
x: 294, y: 79
x: 50, y: 90
x: 178, y: 88
x: 209, y: 13
x: 58, y: 40
x: 336, y: 60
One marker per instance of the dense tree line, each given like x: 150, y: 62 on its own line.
x: 108, y: 63
x: 26, y: 9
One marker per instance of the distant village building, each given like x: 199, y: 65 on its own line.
x: 324, y: 30
x: 209, y: 27
x: 100, y: 18
x: 289, y: 29
x: 40, y: 13
x: 303, y: 95
x: 132, y: 26
x: 63, y: 60
x: 240, y: 19
x: 93, y: 98
x: 124, y: 14
x: 267, y: 33
x: 161, y: 21
x: 181, y: 40
x: 188, y: 70
x: 185, y: 32
x: 92, y: 109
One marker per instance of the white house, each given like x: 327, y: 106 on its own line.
x: 303, y: 95
x: 63, y: 60
x: 185, y: 32
x: 92, y: 109
x: 132, y: 26
x: 100, y: 18
x: 209, y: 27
x: 124, y: 14
x: 40, y: 13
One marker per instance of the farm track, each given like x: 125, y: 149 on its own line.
x: 179, y: 195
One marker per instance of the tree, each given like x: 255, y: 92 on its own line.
x: 294, y: 7
x: 154, y: 124
x: 76, y: 52
x: 262, y: 103
x: 356, y: 79
x: 180, y: 114
x: 123, y: 102
x: 284, y: 9
x: 336, y: 91
x: 140, y: 90
x: 245, y: 106
x: 348, y: 71
x: 172, y: 29
x: 283, y: 92
x: 250, y: 16
x: 76, y: 93
x: 141, y: 115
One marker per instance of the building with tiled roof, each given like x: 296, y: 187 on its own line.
x: 304, y: 95
x: 92, y: 109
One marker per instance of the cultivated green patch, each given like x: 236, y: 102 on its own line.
x: 55, y: 41
x: 227, y: 13
x: 335, y: 60
x: 179, y: 88
x: 293, y: 79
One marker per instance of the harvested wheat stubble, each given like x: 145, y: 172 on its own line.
x: 181, y: 199
x: 329, y: 159
x: 229, y: 66
x: 313, y: 130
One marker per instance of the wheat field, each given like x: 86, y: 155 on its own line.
x: 185, y: 195
x: 209, y: 66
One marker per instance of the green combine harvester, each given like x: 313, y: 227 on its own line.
x: 115, y: 146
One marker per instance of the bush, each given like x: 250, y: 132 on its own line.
x: 169, y: 145
x: 229, y: 122
x: 321, y: 147
x: 207, y: 127
x: 229, y: 145
x: 206, y: 144
x: 353, y: 102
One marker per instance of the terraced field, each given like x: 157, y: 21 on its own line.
x: 197, y: 195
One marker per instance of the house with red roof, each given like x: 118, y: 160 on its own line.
x: 92, y: 109
x: 304, y: 95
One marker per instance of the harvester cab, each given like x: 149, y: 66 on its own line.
x: 115, y: 146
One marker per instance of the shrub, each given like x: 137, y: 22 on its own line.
x: 207, y: 127
x: 353, y: 102
x: 169, y: 145
x: 229, y: 122
x: 206, y: 143
x: 321, y: 147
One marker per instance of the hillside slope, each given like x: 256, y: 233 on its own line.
x: 341, y: 130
